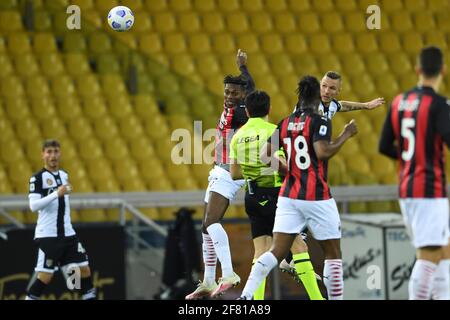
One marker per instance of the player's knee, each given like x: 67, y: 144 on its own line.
x: 279, y: 253
x: 45, y: 277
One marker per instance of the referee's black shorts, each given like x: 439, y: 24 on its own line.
x: 260, y: 208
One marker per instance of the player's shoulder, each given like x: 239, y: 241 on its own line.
x: 37, y: 175
x: 63, y: 172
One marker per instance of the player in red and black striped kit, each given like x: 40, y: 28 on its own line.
x: 414, y: 132
x: 305, y: 198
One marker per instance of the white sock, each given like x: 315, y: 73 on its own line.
x: 421, y: 280
x: 260, y: 270
x: 333, y: 278
x: 222, y: 247
x: 209, y: 259
x: 441, y: 281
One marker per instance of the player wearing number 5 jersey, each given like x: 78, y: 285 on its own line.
x: 305, y: 199
x: 414, y: 132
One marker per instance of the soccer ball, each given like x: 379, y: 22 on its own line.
x: 120, y: 18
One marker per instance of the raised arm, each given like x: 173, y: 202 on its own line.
x: 353, y: 106
x: 241, y: 61
x: 326, y: 149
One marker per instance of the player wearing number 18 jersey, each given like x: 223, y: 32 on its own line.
x: 414, y: 132
x: 305, y: 198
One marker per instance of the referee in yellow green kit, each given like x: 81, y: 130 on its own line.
x: 262, y: 186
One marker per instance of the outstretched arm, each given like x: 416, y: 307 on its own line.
x: 326, y: 149
x: 353, y: 106
x: 241, y: 61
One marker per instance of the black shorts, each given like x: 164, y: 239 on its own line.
x: 260, y: 208
x: 58, y: 252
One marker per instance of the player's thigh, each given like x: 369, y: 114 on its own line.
x: 427, y: 221
x: 220, y: 182
x: 322, y: 219
x: 288, y: 218
x: 75, y: 254
x: 49, y: 254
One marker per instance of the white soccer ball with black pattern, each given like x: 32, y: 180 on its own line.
x: 120, y: 18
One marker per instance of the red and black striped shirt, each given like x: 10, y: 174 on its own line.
x: 414, y: 132
x: 307, y: 175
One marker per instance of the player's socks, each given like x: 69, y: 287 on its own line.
x: 209, y: 259
x: 35, y: 290
x: 305, y: 271
x: 222, y: 247
x: 259, y: 293
x: 441, y: 281
x: 87, y: 289
x: 260, y: 270
x: 421, y: 280
x: 333, y: 279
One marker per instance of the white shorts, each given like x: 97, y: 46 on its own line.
x: 426, y: 220
x: 220, y: 181
x: 321, y: 218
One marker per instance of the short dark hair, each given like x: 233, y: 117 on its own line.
x: 229, y: 79
x: 308, y: 92
x: 50, y: 143
x: 257, y: 104
x: 333, y: 75
x: 431, y: 61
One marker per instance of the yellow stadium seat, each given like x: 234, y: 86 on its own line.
x: 51, y: 64
x: 83, y: 4
x: 141, y: 148
x: 26, y: 65
x: 399, y: 63
x: 389, y: 42
x: 377, y: 64
x: 288, y: 84
x: 105, y: 128
x: 319, y: 43
x: 150, y: 43
x: 345, y: 5
x: 252, y: 5
x: 142, y: 22
x: 53, y: 128
x: 80, y: 130
x: 112, y: 85
x: 366, y: 43
x: 272, y: 43
x: 164, y: 22
x: 27, y: 130
x: 424, y: 21
x: 391, y: 5
x: 285, y: 22
x: 10, y: 152
x: 443, y: 21
x: 90, y: 150
x: 92, y: 20
x: 10, y: 21
x: 74, y: 42
x: 295, y: 43
x: 107, y: 63
x: 223, y: 43
x: 133, y: 185
x: 323, y: 6
x: 174, y: 43
x: 401, y: 22
x: 412, y: 43
x: 116, y: 150
x: 228, y: 5
x: 183, y: 64
x: 180, y: 5
x: 8, y: 4
x: 363, y: 85
x: 328, y: 62
x: 145, y: 106
x: 186, y: 184
x: 387, y: 85
x: 281, y: 65
x: 305, y: 64
x: 332, y: 22
x: 353, y: 64
x: 130, y: 128
x: 309, y: 23
x: 55, y: 5
x: 103, y: 6
x: 249, y: 41
x: 258, y: 64
x: 213, y: 22
x: 42, y: 21
x: 407, y: 82
x: 42, y: 107
x: 342, y: 44
x: 37, y: 87
x: 199, y: 43
x: 237, y: 22
x: 119, y: 107
x: 355, y: 22
x: 5, y: 65
x: 189, y: 22
x: 44, y: 43
x: 434, y: 37
x: 261, y: 22
x: 417, y: 5
x: 12, y: 87
x: 381, y: 164
x: 92, y: 215
x: 87, y: 86
x: 204, y: 5
x: 99, y: 43
x: 76, y: 64
x: 206, y: 65
x: 157, y: 121
x: 297, y: 6
x: 68, y: 107
x: 155, y: 5
x: 62, y: 86
x: 436, y: 5
x: 94, y: 108
x: 18, y: 43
